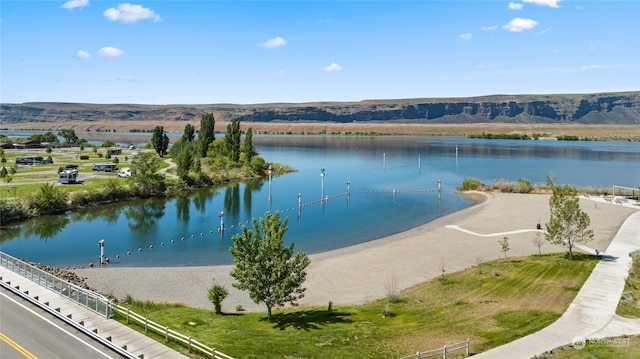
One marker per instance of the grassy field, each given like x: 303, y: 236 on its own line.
x: 29, y: 178
x: 608, y: 348
x: 491, y: 304
x: 629, y: 305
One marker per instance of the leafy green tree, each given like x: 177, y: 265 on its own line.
x: 184, y: 162
x: 216, y: 294
x: 247, y: 146
x: 568, y: 223
x: 46, y: 137
x: 3, y: 172
x: 189, y: 133
x: 160, y: 141
x: 207, y: 133
x: 50, y: 199
x: 271, y: 273
x: 108, y: 143
x: 68, y: 135
x: 232, y: 140
x: 147, y: 181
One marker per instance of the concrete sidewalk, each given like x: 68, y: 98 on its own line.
x: 592, y: 314
x: 122, y: 336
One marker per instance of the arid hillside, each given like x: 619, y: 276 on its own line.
x: 603, y: 108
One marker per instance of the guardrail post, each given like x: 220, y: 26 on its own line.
x: 213, y: 353
x: 467, y: 347
x: 166, y: 334
x: 128, y: 310
x: 146, y: 323
x: 444, y: 352
x: 189, y: 345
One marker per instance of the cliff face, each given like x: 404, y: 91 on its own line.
x: 606, y: 108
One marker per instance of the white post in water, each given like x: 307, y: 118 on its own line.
x: 419, y: 155
x: 456, y: 154
x: 348, y: 188
x: 384, y: 161
x: 101, y: 245
x: 221, y: 215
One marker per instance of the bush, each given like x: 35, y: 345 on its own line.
x: 216, y: 295
x: 470, y: 184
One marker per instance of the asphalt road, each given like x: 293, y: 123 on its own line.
x: 27, y: 331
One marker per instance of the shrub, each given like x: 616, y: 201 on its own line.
x: 216, y: 295
x: 470, y: 184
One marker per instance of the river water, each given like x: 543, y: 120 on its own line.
x: 372, y: 186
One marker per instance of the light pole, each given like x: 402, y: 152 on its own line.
x: 269, y: 171
x: 322, y: 177
x: 348, y: 188
x: 101, y: 245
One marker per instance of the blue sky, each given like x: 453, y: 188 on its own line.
x: 245, y: 52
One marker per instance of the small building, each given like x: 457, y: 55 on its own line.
x: 68, y: 176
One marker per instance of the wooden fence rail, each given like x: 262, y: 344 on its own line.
x: 189, y: 342
x: 441, y: 352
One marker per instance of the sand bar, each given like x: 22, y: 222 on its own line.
x: 361, y: 273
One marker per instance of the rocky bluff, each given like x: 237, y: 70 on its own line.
x: 602, y: 108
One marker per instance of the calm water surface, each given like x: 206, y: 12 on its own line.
x: 393, y: 187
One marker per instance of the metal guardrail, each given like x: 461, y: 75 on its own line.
x: 442, y: 352
x: 191, y: 343
x: 84, y: 297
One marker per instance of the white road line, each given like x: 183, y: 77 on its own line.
x: 458, y: 228
x: 55, y: 325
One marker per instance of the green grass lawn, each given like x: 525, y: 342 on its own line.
x: 608, y: 348
x: 491, y: 304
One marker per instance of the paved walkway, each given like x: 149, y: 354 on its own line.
x: 592, y: 314
x: 132, y: 341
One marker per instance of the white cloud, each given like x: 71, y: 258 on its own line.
x: 550, y: 3
x: 489, y: 28
x: 515, y: 6
x: 110, y: 51
x: 273, y: 43
x: 128, y: 78
x: 332, y: 68
x: 72, y: 4
x: 519, y: 25
x: 592, y: 67
x: 130, y: 13
x: 81, y: 54
x: 466, y: 36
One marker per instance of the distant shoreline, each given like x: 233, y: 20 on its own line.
x: 596, y: 132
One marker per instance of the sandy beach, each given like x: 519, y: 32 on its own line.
x: 361, y: 273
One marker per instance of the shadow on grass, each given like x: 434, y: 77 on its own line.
x: 308, y: 319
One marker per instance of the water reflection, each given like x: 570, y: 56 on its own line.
x: 143, y: 217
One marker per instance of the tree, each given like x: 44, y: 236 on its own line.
x: 160, y: 141
x: 68, y: 135
x: 568, y: 223
x: 504, y: 245
x: 269, y: 271
x: 247, y: 146
x: 216, y: 295
x: 538, y: 241
x: 147, y: 181
x: 50, y: 199
x: 184, y: 162
x: 189, y: 133
x: 207, y: 133
x: 232, y: 140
